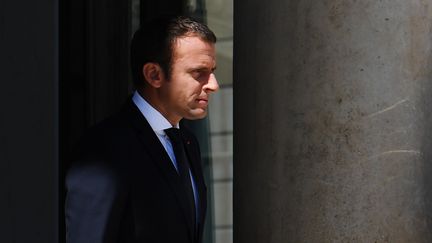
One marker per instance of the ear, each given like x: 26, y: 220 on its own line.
x: 153, y: 74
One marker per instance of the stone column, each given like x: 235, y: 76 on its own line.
x: 332, y: 121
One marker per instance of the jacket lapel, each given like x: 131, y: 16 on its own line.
x: 158, y: 154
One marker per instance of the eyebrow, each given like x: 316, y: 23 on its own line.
x: 202, y: 68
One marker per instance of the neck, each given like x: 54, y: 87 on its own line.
x: 152, y: 97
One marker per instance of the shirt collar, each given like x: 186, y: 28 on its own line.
x: 156, y: 120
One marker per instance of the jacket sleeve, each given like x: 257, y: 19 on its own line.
x: 95, y: 203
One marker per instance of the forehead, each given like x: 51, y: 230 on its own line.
x: 193, y: 49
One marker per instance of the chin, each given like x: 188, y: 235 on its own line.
x: 196, y: 115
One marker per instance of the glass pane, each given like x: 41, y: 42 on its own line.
x: 220, y: 20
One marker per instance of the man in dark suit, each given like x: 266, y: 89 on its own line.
x: 137, y: 176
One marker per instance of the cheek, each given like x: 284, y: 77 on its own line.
x: 192, y: 89
x: 186, y: 90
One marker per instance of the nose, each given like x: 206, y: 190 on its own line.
x: 212, y: 85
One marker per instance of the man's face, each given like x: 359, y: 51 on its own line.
x: 187, y: 93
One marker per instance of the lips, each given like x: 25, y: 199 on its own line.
x: 203, y: 101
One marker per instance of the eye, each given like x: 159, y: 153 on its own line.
x: 201, y: 75
x: 196, y: 74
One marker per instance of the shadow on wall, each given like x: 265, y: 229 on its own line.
x: 426, y: 105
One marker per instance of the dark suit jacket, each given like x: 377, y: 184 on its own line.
x: 122, y: 186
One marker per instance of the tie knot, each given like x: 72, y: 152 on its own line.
x: 174, y: 134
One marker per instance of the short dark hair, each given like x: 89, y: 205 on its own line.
x: 154, y: 42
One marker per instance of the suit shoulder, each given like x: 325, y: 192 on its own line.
x: 99, y: 139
